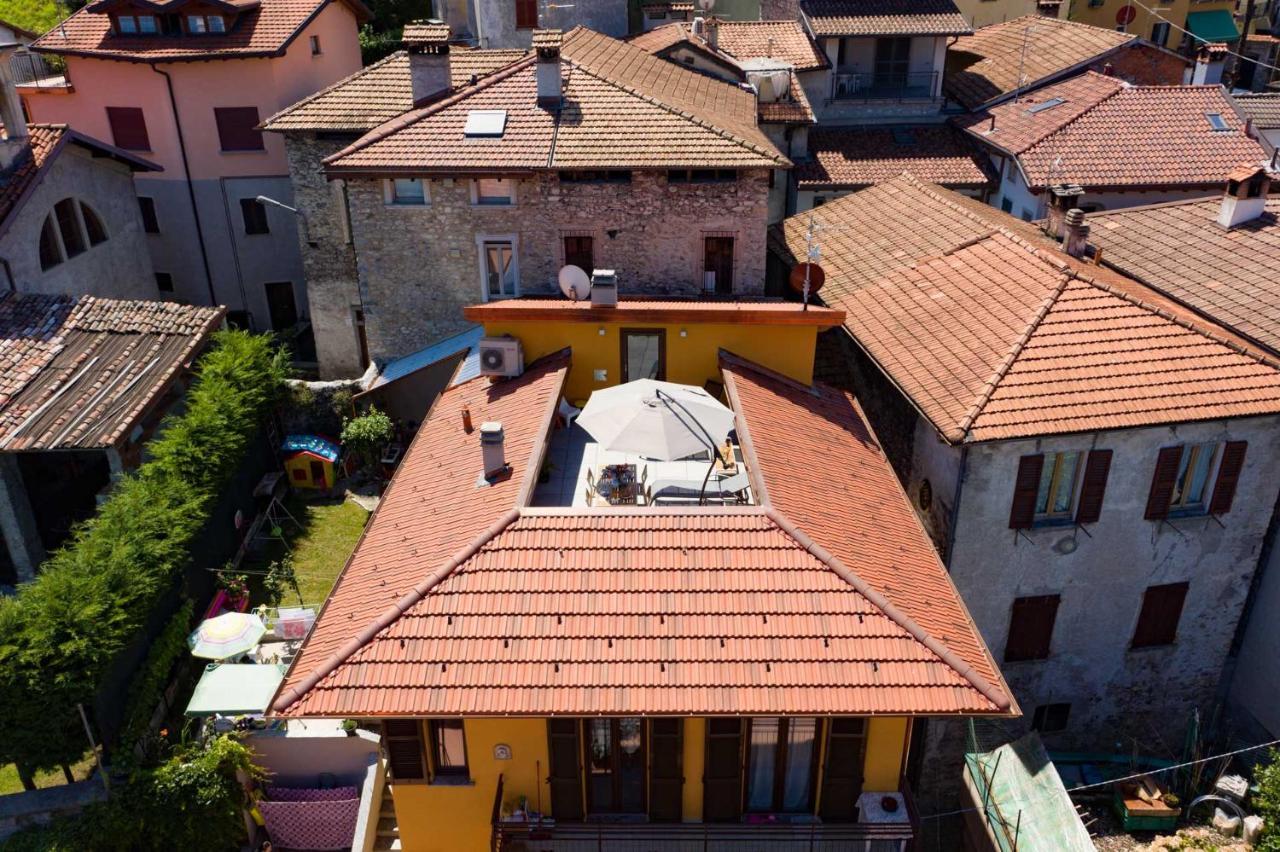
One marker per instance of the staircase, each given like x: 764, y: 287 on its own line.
x: 388, y: 834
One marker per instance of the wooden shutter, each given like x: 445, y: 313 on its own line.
x: 403, y: 740
x: 526, y: 14
x: 566, y: 770
x: 128, y: 128
x: 722, y: 777
x: 1031, y: 628
x: 842, y: 770
x: 1161, y: 610
x: 666, y: 769
x: 1022, y: 514
x: 1162, y: 482
x: 237, y: 128
x: 1093, y: 485
x: 1224, y: 490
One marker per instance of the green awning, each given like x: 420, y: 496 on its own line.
x: 1214, y: 25
x: 235, y: 689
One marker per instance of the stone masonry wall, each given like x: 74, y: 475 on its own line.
x: 328, y: 257
x: 420, y: 266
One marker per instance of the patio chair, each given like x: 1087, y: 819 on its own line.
x: 567, y: 412
x: 588, y: 494
x: 644, y: 476
x: 648, y: 495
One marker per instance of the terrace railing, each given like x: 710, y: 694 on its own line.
x: 859, y: 86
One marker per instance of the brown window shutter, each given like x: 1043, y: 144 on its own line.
x: 1093, y: 486
x: 1161, y: 610
x: 237, y: 128
x: 128, y: 128
x: 526, y: 14
x: 403, y: 740
x: 1224, y: 490
x: 1022, y: 514
x: 1031, y: 628
x: 1162, y: 482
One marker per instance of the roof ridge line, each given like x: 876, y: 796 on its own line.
x: 331, y: 87
x: 989, y: 387
x: 392, y: 613
x: 997, y: 697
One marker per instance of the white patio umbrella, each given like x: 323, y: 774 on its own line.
x: 228, y: 635
x: 657, y: 420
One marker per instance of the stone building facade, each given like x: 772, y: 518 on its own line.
x: 418, y: 266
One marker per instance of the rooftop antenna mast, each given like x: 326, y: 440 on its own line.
x: 1022, y: 62
x: 812, y: 253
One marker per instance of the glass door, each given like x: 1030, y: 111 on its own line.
x: 615, y: 766
x: 780, y: 765
x: 644, y: 354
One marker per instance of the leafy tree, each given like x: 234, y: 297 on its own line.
x: 1267, y: 801
x: 367, y: 435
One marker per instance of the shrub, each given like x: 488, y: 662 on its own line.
x: 61, y: 632
x: 367, y: 435
x: 1267, y: 801
x: 150, y: 683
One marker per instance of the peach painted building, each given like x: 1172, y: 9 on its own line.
x: 185, y: 83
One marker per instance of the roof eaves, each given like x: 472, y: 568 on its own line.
x: 25, y: 195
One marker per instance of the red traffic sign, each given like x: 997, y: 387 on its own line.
x: 816, y: 277
x: 1125, y: 15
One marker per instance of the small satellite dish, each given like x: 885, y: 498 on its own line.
x: 706, y: 5
x: 816, y: 277
x: 574, y: 282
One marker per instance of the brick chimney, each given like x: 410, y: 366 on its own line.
x: 1075, y: 233
x: 1062, y: 197
x: 17, y: 140
x: 1245, y: 198
x: 428, y: 46
x: 493, y: 456
x: 546, y: 43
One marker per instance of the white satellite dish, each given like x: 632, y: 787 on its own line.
x: 706, y: 5
x: 574, y: 282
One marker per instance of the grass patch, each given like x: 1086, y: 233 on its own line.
x: 330, y: 532
x: 10, y: 783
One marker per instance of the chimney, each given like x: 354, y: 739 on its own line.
x: 1246, y: 196
x: 604, y: 288
x: 1062, y: 197
x: 428, y: 46
x: 712, y: 29
x: 1210, y: 60
x: 1075, y: 237
x: 466, y: 419
x: 492, y: 452
x: 546, y: 43
x: 16, y: 139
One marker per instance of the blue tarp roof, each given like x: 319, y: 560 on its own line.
x: 313, y: 444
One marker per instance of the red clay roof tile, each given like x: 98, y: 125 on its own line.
x: 852, y: 158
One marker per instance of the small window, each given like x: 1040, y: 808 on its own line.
x: 1050, y: 718
x: 150, y: 222
x: 315, y: 45
x: 526, y: 14
x: 1031, y: 628
x: 1216, y: 121
x: 1161, y: 611
x: 1006, y: 204
x: 1180, y: 483
x: 238, y: 128
x: 493, y: 192
x: 128, y: 128
x: 196, y: 24
x: 164, y: 282
x: 448, y: 748
x: 485, y: 124
x: 73, y: 242
x: 93, y: 227
x: 147, y: 24
x: 216, y: 24
x: 408, y: 191
x: 1191, y: 482
x: 499, y: 259
x: 403, y: 741
x: 1056, y: 496
x: 127, y: 24
x: 50, y: 252
x: 701, y: 175
x: 254, y: 213
x: 1160, y: 33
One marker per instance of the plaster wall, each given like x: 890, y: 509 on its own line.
x: 927, y: 55
x: 118, y: 268
x: 496, y: 20
x: 419, y: 266
x: 983, y: 13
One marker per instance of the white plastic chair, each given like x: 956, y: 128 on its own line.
x: 568, y: 412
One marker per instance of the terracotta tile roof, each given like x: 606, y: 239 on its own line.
x: 776, y: 312
x: 994, y: 337
x: 660, y: 38
x: 640, y: 611
x: 1019, y: 125
x: 623, y: 108
x: 425, y: 32
x: 1228, y: 275
x: 988, y: 64
x: 79, y: 372
x: 852, y: 158
x: 265, y: 30
x: 1263, y: 108
x: 379, y: 92
x: 884, y: 17
x: 1124, y: 139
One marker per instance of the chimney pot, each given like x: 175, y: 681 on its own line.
x: 428, y: 46
x: 1075, y: 239
x: 466, y: 420
x: 492, y: 451
x: 547, y: 43
x: 712, y: 26
x: 1062, y: 197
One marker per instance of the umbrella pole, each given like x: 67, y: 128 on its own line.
x: 667, y: 400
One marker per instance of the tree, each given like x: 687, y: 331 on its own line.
x: 1267, y: 801
x: 367, y: 435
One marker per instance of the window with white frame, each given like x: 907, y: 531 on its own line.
x: 498, y: 267
x: 493, y: 192
x: 407, y: 192
x: 71, y: 229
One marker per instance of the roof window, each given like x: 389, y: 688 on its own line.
x: 1044, y: 105
x: 485, y: 124
x: 1216, y: 121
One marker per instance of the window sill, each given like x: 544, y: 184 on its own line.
x: 397, y: 205
x: 451, y: 781
x: 1187, y: 514
x: 482, y: 206
x: 1053, y: 523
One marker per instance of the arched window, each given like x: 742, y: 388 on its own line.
x: 72, y: 228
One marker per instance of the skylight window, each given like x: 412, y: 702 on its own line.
x: 1044, y: 105
x: 1216, y: 121
x: 485, y: 124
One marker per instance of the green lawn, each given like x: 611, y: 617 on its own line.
x: 9, y: 782
x: 329, y: 533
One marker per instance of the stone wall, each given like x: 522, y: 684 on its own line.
x: 328, y: 257
x: 420, y: 266
x: 1144, y: 65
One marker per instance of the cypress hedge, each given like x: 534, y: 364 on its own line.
x: 61, y: 632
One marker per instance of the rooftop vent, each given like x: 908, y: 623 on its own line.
x: 485, y: 124
x: 1044, y: 105
x: 493, y: 454
x: 604, y: 287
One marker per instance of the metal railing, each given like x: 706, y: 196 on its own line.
x: 32, y: 69
x: 858, y: 86
x: 701, y: 837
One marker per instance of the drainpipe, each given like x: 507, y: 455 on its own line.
x: 955, y: 505
x: 191, y: 189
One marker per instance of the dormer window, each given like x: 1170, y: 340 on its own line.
x: 201, y: 24
x: 137, y: 24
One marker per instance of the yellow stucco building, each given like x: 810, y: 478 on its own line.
x: 1159, y: 23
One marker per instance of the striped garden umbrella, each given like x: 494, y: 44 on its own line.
x: 228, y: 635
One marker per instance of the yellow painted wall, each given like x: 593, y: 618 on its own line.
x: 1175, y: 11
x: 691, y: 360
x: 450, y: 818
x: 695, y: 757
x: 886, y: 741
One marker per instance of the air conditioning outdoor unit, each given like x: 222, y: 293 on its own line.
x: 501, y: 356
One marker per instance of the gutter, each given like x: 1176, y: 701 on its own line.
x: 191, y: 190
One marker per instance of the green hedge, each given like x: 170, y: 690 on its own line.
x: 61, y: 632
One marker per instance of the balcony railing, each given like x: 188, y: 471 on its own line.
x: 32, y: 69
x: 857, y: 86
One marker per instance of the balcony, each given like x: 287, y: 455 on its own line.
x: 858, y: 86
x: 33, y: 70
